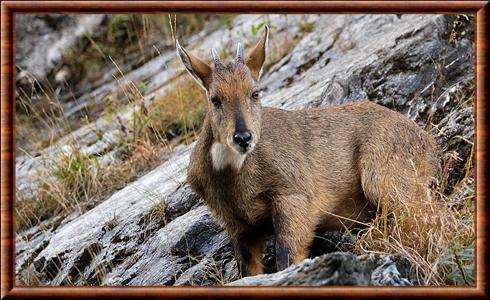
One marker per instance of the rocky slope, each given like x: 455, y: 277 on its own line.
x: 41, y: 41
x: 418, y: 65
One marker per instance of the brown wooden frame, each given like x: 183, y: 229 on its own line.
x: 9, y: 8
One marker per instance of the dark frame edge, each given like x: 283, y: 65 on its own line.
x: 247, y: 6
x: 243, y: 292
x: 7, y: 150
x: 481, y: 140
x: 8, y: 8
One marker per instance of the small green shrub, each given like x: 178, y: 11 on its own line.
x: 78, y: 173
x: 461, y: 264
x: 255, y: 29
x: 178, y: 112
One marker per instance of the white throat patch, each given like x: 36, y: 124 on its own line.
x: 223, y: 156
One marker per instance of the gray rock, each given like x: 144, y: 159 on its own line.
x: 192, y: 249
x: 42, y: 40
x: 392, y: 271
x: 338, y: 268
x: 180, y: 202
x: 118, y: 224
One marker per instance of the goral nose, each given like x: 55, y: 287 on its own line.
x: 242, y: 139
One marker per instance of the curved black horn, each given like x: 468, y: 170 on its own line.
x: 216, y: 58
x: 239, y: 53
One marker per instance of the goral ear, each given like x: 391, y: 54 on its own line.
x: 198, y: 69
x: 255, y: 60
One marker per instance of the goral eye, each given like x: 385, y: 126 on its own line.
x: 256, y: 95
x: 216, y: 102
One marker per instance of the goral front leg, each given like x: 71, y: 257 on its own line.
x: 294, y: 228
x: 248, y: 251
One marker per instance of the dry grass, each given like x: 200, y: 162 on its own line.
x: 178, y: 112
x: 425, y: 232
x: 124, y: 41
x: 141, y: 158
x: 436, y: 233
x: 39, y: 116
x: 69, y: 181
x: 436, y: 236
x: 76, y: 180
x: 32, y: 211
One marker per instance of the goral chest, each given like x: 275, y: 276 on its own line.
x: 232, y: 194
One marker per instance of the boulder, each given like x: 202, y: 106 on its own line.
x: 338, y: 268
